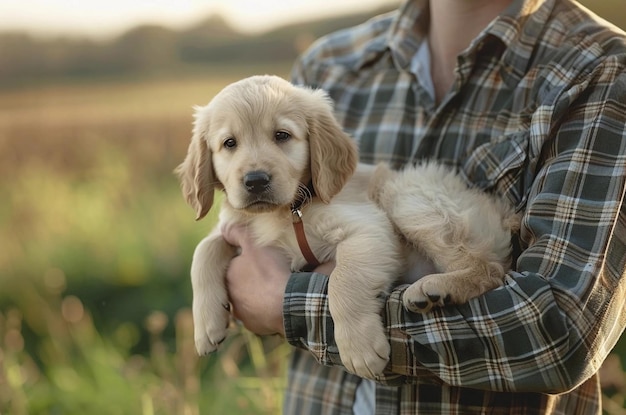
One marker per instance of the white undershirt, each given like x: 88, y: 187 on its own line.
x: 365, y: 397
x: 420, y: 67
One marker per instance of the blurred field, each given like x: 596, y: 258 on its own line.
x: 95, y: 245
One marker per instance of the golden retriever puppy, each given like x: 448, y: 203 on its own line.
x: 275, y: 150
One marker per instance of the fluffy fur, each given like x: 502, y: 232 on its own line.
x: 263, y: 142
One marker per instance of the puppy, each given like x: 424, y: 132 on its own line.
x: 280, y: 157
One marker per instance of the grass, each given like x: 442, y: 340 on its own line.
x: 95, y: 245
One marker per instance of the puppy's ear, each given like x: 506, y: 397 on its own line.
x: 334, y: 154
x: 197, y: 178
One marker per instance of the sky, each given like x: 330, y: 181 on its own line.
x: 108, y: 18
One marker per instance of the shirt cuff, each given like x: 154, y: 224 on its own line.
x: 295, y: 304
x: 306, y: 317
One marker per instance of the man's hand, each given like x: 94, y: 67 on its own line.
x: 256, y: 281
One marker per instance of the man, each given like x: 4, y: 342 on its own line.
x: 527, y: 99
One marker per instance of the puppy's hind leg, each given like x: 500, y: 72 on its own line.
x: 460, y: 229
x: 453, y: 287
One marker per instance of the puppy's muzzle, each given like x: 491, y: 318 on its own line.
x: 257, y: 181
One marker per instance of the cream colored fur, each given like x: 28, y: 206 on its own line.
x: 265, y: 124
x: 466, y: 233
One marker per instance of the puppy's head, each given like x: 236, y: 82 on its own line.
x: 262, y: 139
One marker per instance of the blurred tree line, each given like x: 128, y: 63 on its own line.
x: 151, y: 49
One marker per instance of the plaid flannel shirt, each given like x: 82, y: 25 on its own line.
x: 537, y: 115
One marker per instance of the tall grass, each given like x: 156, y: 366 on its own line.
x: 95, y: 245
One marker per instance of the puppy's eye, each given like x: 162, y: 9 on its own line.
x: 282, y: 136
x: 230, y: 143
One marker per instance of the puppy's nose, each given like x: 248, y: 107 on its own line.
x: 256, y: 181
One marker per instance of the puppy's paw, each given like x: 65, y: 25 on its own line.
x: 363, y: 347
x: 455, y: 287
x: 210, y: 324
x: 428, y: 292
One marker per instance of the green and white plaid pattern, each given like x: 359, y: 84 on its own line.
x: 537, y: 116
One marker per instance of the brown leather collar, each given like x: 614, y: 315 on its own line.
x: 298, y: 227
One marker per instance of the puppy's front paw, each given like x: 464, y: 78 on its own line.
x: 363, y: 347
x: 210, y: 323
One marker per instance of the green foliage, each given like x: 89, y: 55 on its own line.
x: 77, y: 369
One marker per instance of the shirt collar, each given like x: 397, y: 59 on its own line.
x: 407, y: 32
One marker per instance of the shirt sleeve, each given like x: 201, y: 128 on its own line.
x: 551, y: 325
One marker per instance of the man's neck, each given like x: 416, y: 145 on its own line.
x: 453, y: 25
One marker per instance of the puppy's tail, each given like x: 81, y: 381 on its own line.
x: 512, y: 222
x: 382, y: 174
